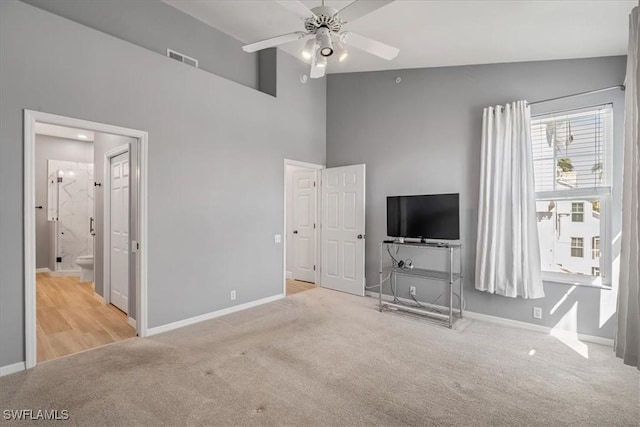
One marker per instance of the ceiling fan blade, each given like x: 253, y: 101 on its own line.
x: 369, y: 45
x: 274, y: 41
x: 359, y: 8
x: 297, y: 8
x: 316, y: 71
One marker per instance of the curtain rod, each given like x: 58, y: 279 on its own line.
x: 589, y: 92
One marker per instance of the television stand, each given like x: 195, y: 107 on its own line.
x: 447, y: 276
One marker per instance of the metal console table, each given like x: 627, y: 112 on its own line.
x: 449, y: 277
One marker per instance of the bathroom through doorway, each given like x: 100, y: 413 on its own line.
x: 83, y: 239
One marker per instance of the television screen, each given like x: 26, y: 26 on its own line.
x: 434, y: 216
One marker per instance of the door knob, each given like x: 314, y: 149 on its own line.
x: 362, y: 236
x: 295, y: 231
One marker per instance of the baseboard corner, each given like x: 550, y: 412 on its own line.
x: 12, y: 369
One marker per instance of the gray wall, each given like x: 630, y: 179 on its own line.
x: 52, y: 148
x: 216, y: 151
x: 422, y: 136
x: 157, y: 26
x: 103, y: 143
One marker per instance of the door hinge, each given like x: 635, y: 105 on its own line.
x: 135, y: 246
x: 59, y: 179
x: 314, y: 183
x: 314, y: 268
x: 314, y: 225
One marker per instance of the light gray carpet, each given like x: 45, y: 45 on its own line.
x: 325, y: 358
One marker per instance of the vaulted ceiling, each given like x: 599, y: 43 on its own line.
x: 443, y: 33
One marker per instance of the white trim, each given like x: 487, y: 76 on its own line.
x: 43, y: 270
x: 29, y: 240
x: 66, y: 273
x: 30, y: 119
x: 538, y: 328
x: 319, y: 169
x: 12, y: 369
x: 289, y: 275
x: 508, y: 322
x: 106, y: 222
x: 132, y: 322
x: 212, y: 315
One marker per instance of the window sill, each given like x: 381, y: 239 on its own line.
x: 575, y: 281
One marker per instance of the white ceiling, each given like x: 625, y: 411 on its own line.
x: 443, y: 33
x: 63, y: 132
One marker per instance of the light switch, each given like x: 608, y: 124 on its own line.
x: 277, y: 238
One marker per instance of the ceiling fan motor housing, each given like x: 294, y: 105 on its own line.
x: 325, y: 18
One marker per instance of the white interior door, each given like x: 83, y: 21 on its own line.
x: 304, y: 225
x: 119, y: 232
x: 343, y: 238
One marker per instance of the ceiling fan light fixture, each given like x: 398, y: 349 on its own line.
x: 341, y: 52
x: 323, y: 37
x: 309, y: 48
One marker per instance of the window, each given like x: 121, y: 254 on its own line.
x: 577, y: 247
x: 577, y: 212
x: 595, y: 247
x: 571, y: 155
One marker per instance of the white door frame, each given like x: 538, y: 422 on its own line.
x: 318, y: 263
x: 106, y: 221
x: 30, y: 119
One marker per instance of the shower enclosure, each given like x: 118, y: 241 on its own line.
x: 70, y: 212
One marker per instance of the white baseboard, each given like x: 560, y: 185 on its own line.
x: 12, y: 369
x: 43, y: 270
x: 66, y: 273
x: 132, y: 322
x: 538, y: 328
x: 290, y: 275
x: 208, y: 316
x: 514, y: 323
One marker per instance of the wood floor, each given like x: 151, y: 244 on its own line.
x: 295, y: 286
x: 70, y: 318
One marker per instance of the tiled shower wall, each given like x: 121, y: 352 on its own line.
x: 70, y: 208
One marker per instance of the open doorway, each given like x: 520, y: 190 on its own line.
x: 301, y: 226
x: 324, y: 227
x: 85, y: 228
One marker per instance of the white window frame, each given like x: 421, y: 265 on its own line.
x: 581, y: 213
x: 595, y: 247
x: 581, y: 247
x: 603, y: 194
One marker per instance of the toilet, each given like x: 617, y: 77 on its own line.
x: 85, y: 263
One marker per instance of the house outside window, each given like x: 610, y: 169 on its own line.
x: 577, y: 212
x: 572, y: 152
x: 577, y: 247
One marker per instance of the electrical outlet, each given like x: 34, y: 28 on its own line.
x: 537, y: 312
x: 233, y: 295
x: 412, y: 291
x: 277, y: 238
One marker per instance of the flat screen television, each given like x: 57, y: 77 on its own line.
x: 432, y: 216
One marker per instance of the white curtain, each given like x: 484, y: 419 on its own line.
x: 508, y: 253
x: 628, y: 333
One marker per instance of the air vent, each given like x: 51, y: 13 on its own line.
x: 182, y: 58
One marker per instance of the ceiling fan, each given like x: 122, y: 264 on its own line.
x: 322, y: 30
